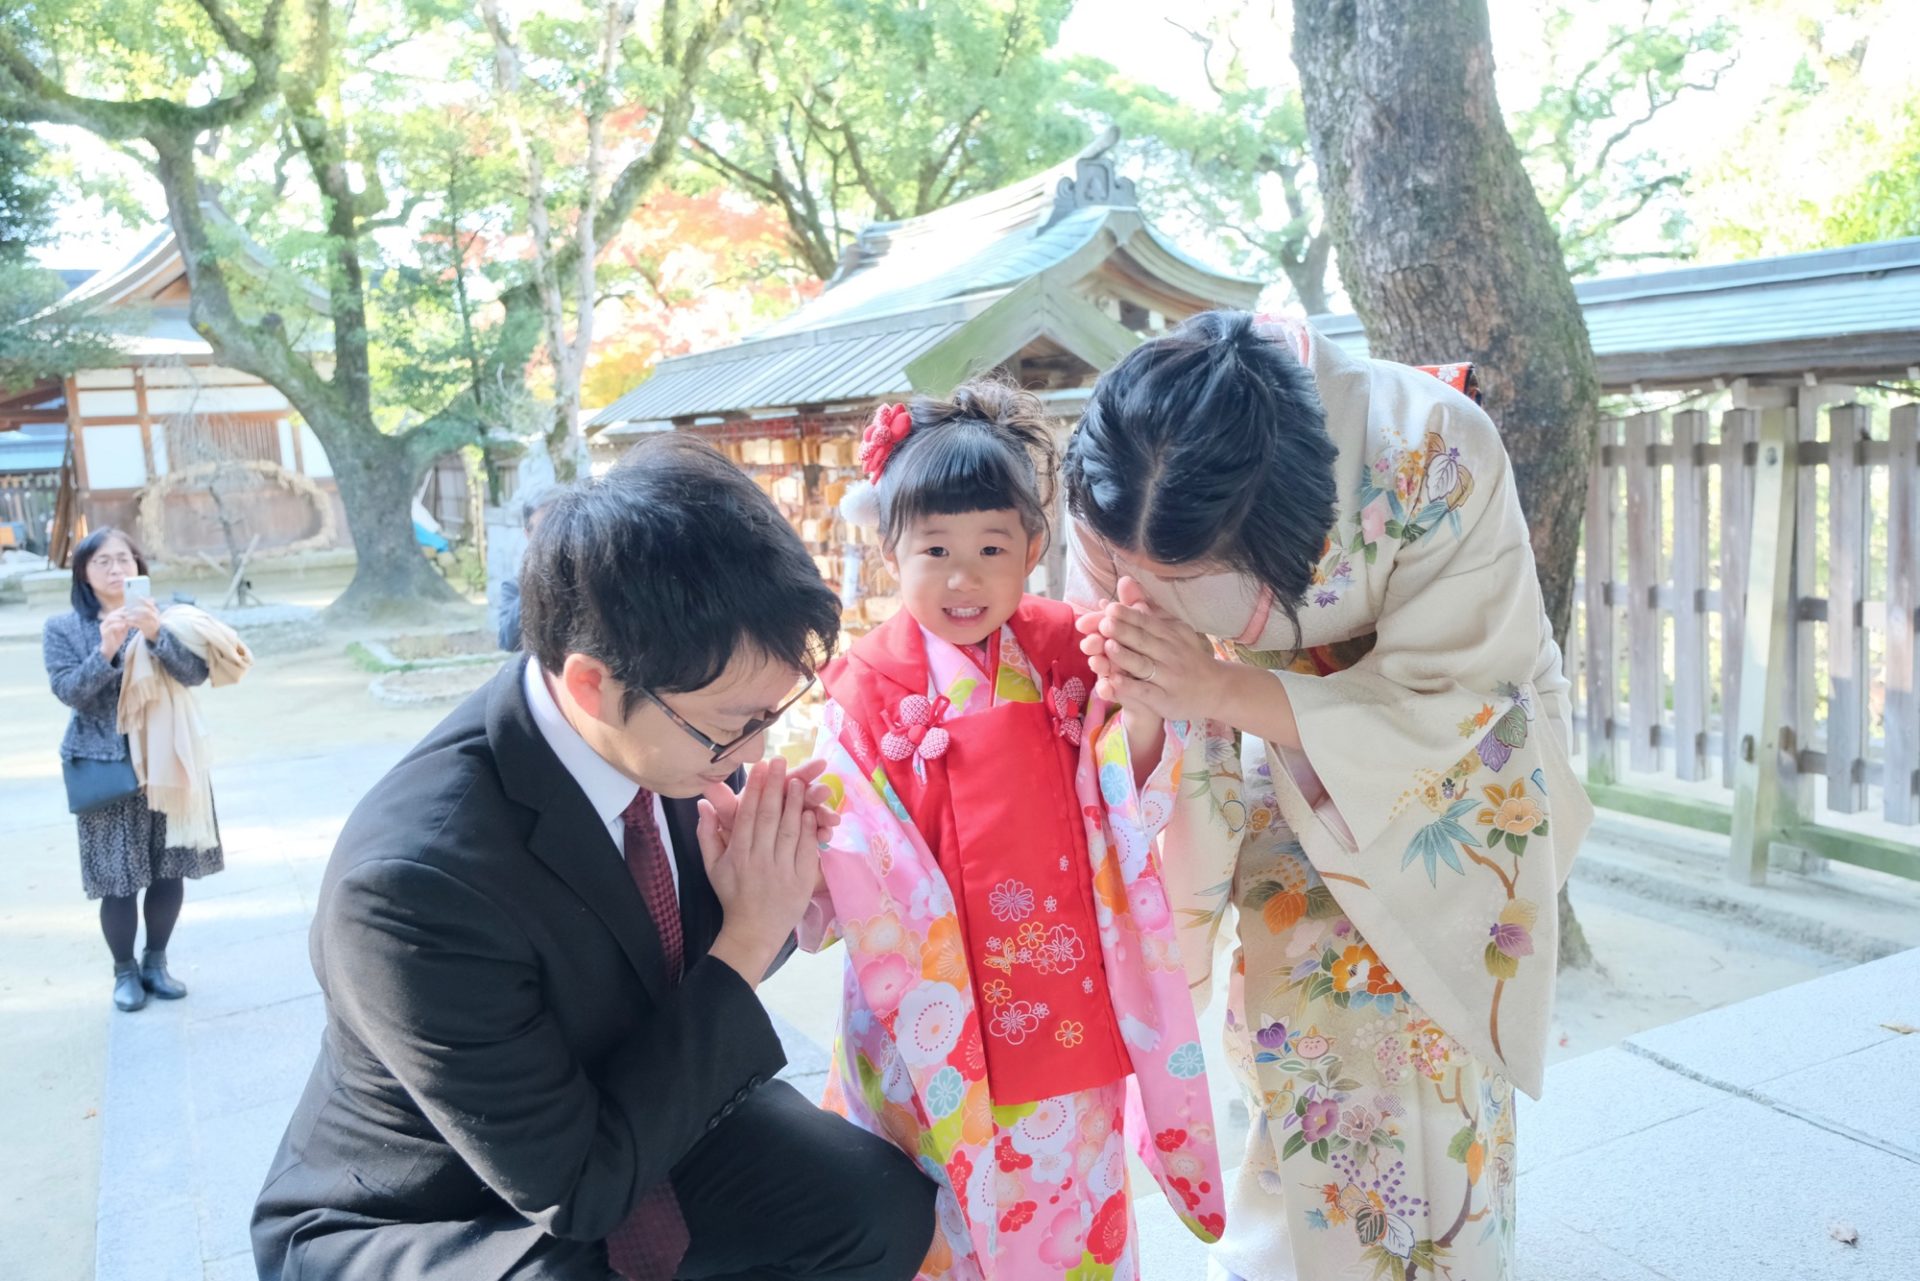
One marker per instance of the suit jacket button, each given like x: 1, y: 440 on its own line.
x: 713, y: 1123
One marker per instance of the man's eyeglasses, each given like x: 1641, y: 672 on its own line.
x: 754, y: 727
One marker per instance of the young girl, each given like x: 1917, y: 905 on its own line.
x: 1010, y: 953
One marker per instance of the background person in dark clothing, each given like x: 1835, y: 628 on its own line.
x: 510, y: 586
x: 123, y: 845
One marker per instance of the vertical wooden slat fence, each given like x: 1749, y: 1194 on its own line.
x: 1768, y: 598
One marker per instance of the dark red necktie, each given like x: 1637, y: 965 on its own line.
x: 648, y: 866
x: 650, y: 1242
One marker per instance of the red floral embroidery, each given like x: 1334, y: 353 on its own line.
x: 890, y: 426
x: 1019, y: 1216
x: 1009, y: 1157
x: 1168, y: 1140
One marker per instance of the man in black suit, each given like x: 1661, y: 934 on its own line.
x: 539, y: 937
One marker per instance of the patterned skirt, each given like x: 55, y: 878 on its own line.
x: 123, y: 849
x: 1380, y: 1148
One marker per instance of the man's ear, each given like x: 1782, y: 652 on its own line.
x: 590, y: 684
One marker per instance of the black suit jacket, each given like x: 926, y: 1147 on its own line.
x: 503, y: 1045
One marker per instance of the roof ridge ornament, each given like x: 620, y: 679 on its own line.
x: 1096, y: 182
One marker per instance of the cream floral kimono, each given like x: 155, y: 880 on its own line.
x: 1395, y: 880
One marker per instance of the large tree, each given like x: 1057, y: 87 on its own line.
x: 1447, y: 252
x: 839, y: 112
x: 316, y: 118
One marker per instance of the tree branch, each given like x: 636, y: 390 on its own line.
x: 45, y: 100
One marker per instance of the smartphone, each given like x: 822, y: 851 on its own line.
x: 139, y: 587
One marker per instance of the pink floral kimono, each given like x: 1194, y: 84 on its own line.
x: 1014, y: 991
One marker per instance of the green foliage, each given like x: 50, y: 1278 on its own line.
x: 838, y: 112
x: 1591, y: 164
x: 1886, y: 203
x: 26, y: 195
x: 36, y: 343
x: 1234, y: 175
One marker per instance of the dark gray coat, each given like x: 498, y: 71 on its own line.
x: 84, y: 680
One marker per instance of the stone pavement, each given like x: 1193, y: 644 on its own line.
x: 1778, y: 1137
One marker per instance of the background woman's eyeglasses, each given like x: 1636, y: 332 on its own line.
x: 757, y: 726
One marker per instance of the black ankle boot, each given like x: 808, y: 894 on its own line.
x: 154, y: 976
x: 128, y: 991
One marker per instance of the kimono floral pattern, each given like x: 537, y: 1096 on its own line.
x: 1505, y: 818
x: 1040, y: 1189
x: 1382, y: 1146
x: 1407, y: 492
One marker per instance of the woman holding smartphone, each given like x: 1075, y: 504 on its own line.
x: 123, y: 842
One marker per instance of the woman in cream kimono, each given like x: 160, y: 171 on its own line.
x: 1381, y: 799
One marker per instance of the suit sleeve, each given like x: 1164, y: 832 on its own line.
x: 443, y: 987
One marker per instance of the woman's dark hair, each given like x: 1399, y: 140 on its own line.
x: 1209, y: 444
x: 85, y: 603
x: 986, y: 448
x: 664, y: 567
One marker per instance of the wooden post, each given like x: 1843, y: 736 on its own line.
x: 1763, y: 680
x: 1601, y: 680
x: 1846, y: 638
x: 1646, y: 665
x: 1899, y: 800
x: 1689, y: 603
x: 146, y: 420
x: 1736, y: 541
x: 1801, y: 697
x: 77, y: 440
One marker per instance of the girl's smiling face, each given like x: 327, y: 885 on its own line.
x: 962, y: 575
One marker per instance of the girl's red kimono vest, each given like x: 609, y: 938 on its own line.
x: 996, y: 806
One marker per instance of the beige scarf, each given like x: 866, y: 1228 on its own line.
x: 166, y: 737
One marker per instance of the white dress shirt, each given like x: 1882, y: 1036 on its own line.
x: 607, y: 789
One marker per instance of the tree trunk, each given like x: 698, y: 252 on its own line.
x: 1446, y: 252
x: 377, y: 476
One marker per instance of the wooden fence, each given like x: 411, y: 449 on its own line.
x: 1754, y: 580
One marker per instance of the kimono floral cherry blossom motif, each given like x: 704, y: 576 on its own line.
x: 891, y: 424
x: 916, y: 732
x: 1067, y: 704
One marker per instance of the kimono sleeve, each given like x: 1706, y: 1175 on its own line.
x: 874, y: 861
x: 1200, y: 846
x: 1458, y: 637
x: 1136, y: 814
